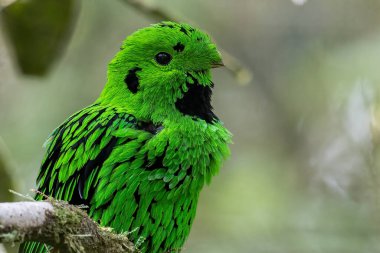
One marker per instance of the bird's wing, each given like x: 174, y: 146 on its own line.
x: 76, y: 151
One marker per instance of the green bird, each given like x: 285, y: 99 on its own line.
x: 140, y: 155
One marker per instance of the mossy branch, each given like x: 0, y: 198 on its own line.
x: 65, y: 227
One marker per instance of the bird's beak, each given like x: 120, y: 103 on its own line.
x: 217, y: 64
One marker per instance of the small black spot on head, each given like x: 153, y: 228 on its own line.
x: 179, y: 47
x: 199, y: 39
x: 184, y: 31
x: 166, y: 25
x: 132, y: 80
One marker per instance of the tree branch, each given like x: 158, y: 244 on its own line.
x: 65, y: 227
x: 2, y: 249
x: 3, y: 4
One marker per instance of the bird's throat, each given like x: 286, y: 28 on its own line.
x: 196, y: 102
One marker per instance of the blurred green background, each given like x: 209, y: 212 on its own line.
x: 304, y: 171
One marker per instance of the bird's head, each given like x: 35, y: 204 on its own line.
x: 163, y: 72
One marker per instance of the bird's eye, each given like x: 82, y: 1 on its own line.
x: 163, y: 58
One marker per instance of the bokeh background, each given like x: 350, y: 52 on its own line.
x: 303, y: 176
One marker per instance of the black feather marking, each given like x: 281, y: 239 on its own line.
x: 183, y: 30
x: 158, y: 162
x: 149, y: 127
x: 189, y: 171
x: 84, y: 139
x: 197, y: 102
x: 132, y: 80
x: 48, y: 165
x: 179, y: 47
x: 85, y: 172
x: 137, y: 197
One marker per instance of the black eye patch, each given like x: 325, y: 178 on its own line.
x: 179, y: 47
x: 132, y: 80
